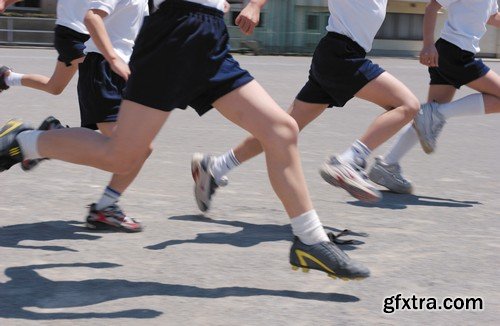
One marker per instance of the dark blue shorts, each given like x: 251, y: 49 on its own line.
x: 181, y: 57
x: 100, y: 91
x: 456, y: 67
x: 339, y: 69
x: 69, y: 44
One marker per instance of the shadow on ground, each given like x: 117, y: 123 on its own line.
x: 11, y: 236
x: 250, y: 234
x: 392, y: 200
x: 27, y: 289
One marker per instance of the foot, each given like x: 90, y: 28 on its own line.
x: 328, y: 258
x: 49, y: 123
x: 4, y: 72
x: 350, y: 177
x: 10, y: 152
x: 428, y: 124
x: 390, y: 176
x: 204, y: 181
x: 111, y: 217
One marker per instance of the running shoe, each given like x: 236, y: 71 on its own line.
x: 111, y: 217
x: 350, y: 177
x: 204, y: 181
x: 10, y: 151
x: 3, y: 85
x: 328, y: 258
x: 428, y: 124
x: 49, y: 123
x: 390, y: 176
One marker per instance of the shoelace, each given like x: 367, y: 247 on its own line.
x: 335, y: 237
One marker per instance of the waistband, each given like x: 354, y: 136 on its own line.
x: 190, y: 7
x: 347, y: 39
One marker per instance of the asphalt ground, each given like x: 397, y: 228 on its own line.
x: 231, y: 266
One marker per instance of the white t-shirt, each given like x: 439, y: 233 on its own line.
x: 360, y: 20
x: 123, y: 23
x: 70, y: 14
x: 219, y: 4
x: 466, y: 22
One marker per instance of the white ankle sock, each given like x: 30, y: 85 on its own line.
x: 470, y: 105
x: 406, y: 139
x: 28, y: 141
x: 109, y: 197
x: 224, y: 163
x: 14, y: 79
x: 308, y: 228
x: 358, y: 150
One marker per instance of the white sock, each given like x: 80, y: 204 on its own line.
x: 470, y: 105
x: 224, y: 163
x: 406, y: 139
x: 357, y: 151
x: 14, y: 79
x: 308, y: 228
x: 28, y: 141
x: 109, y: 197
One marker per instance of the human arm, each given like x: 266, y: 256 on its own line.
x: 494, y: 20
x: 5, y: 3
x: 94, y: 21
x: 429, y: 55
x: 250, y: 16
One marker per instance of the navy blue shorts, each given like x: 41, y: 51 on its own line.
x: 456, y: 67
x: 100, y: 91
x: 181, y: 57
x: 339, y: 69
x: 69, y: 44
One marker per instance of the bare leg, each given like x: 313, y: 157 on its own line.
x: 120, y: 182
x: 57, y: 82
x: 127, y: 147
x: 5, y: 3
x: 251, y: 108
x: 302, y: 112
x: 394, y: 96
x: 441, y: 93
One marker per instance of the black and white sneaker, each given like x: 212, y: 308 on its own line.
x: 204, y: 181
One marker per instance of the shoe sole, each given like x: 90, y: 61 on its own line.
x: 354, y: 189
x: 101, y: 226
x: 330, y: 275
x: 428, y: 149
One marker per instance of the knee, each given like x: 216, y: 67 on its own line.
x: 56, y: 90
x: 124, y: 162
x: 411, y: 107
x: 284, y: 132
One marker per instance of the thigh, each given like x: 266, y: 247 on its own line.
x: 136, y: 128
x: 387, y: 92
x: 488, y: 84
x: 252, y: 108
x: 441, y: 93
x: 304, y: 113
x: 62, y: 74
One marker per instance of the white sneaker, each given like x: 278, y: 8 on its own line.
x: 204, y: 181
x: 428, y: 124
x: 390, y: 176
x: 350, y: 177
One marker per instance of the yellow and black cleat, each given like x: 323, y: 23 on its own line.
x: 328, y: 258
x: 10, y: 151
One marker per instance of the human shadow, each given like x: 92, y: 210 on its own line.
x: 391, y: 200
x: 250, y: 234
x: 12, y: 235
x: 28, y: 289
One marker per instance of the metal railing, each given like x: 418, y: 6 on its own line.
x: 17, y: 31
